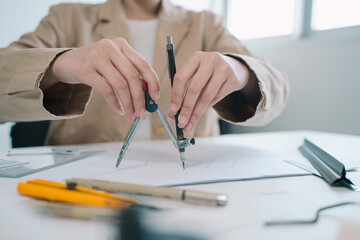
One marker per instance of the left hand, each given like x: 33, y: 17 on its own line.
x: 210, y: 77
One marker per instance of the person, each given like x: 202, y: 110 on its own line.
x: 86, y: 68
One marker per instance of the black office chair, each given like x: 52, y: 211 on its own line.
x: 29, y: 134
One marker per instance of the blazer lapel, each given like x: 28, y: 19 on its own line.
x: 112, y: 21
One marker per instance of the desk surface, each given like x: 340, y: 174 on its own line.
x: 251, y: 202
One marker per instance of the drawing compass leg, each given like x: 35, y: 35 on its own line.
x: 151, y: 106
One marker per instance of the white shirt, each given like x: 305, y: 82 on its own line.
x: 143, y: 36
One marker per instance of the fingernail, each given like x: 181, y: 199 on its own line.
x: 121, y: 111
x: 182, y: 121
x: 157, y: 96
x: 142, y: 113
x: 171, y: 116
x: 133, y: 117
x: 188, y: 127
x: 173, y: 108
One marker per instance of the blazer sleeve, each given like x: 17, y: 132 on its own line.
x: 22, y: 67
x: 273, y: 84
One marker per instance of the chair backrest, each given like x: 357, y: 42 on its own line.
x: 29, y: 134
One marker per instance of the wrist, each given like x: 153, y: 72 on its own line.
x: 49, y: 79
x: 241, y: 71
x: 50, y: 76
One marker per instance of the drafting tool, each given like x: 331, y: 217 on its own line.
x: 32, y: 160
x: 172, y: 71
x: 312, y: 170
x: 151, y: 106
x: 180, y: 142
x: 190, y: 196
x: 70, y: 193
x: 43, y: 150
x: 331, y: 169
x: 9, y: 164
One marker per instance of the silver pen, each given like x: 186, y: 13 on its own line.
x: 190, y: 196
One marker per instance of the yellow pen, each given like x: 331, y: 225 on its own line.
x: 59, y: 192
x: 82, y: 189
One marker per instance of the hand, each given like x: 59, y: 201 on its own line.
x: 114, y: 69
x: 210, y: 77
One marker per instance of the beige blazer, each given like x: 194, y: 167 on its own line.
x: 81, y: 115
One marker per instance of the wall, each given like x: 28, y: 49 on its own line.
x: 324, y: 72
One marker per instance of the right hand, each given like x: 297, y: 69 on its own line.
x: 111, y: 67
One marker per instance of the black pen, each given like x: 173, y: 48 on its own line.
x: 172, y: 71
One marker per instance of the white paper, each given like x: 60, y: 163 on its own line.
x: 209, y: 160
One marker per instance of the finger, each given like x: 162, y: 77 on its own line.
x: 144, y: 85
x: 181, y: 79
x: 171, y: 116
x: 143, y: 67
x: 209, y: 93
x: 132, y: 77
x: 194, y: 91
x: 119, y: 85
x: 97, y: 82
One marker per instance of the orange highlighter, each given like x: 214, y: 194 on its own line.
x: 67, y: 193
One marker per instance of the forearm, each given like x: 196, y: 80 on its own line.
x: 49, y: 79
x: 241, y: 105
x: 21, y: 98
x: 264, y: 97
x: 273, y: 91
x: 250, y: 91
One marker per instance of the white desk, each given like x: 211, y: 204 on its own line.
x: 251, y: 202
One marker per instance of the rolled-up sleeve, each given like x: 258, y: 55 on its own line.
x: 23, y: 65
x: 273, y: 84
